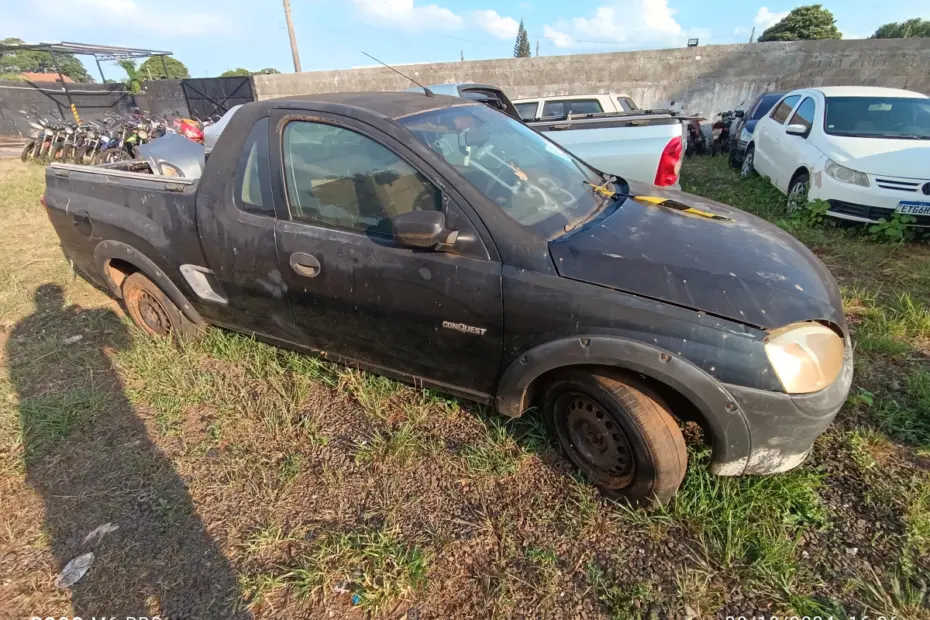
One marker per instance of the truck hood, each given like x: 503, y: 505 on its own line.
x: 879, y: 156
x: 740, y: 268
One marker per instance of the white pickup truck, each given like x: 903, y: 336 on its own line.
x: 542, y: 107
x: 607, y: 131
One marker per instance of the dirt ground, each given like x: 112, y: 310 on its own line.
x: 249, y: 482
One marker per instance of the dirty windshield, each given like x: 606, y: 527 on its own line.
x: 534, y: 181
x: 878, y: 117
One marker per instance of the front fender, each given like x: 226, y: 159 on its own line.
x: 721, y: 413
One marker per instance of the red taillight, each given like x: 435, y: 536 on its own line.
x: 669, y: 163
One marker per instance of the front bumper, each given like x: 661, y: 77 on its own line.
x: 783, y: 427
x: 867, y: 204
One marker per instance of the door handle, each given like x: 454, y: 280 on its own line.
x: 305, y: 264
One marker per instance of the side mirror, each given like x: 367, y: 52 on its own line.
x: 740, y: 114
x: 422, y: 229
x: 796, y: 130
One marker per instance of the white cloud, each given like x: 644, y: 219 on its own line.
x: 766, y: 19
x: 412, y: 17
x: 143, y: 16
x: 406, y: 15
x: 501, y: 27
x: 624, y: 23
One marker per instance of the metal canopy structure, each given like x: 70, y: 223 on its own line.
x: 99, y: 52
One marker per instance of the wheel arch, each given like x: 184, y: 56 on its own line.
x: 690, y: 392
x: 116, y: 260
x: 794, y: 175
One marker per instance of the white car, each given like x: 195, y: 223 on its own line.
x: 864, y: 150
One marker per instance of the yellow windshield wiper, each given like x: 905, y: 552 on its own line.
x: 603, y: 190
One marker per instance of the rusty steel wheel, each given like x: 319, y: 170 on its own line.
x: 589, y: 435
x: 152, y: 310
x: 613, y: 430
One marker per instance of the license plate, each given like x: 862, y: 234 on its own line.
x: 717, y: 132
x: 910, y: 207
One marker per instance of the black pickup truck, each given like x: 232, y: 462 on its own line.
x: 440, y: 242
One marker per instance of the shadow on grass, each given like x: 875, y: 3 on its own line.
x: 89, y: 456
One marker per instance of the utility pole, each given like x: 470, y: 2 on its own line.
x: 537, y: 47
x: 290, y: 33
x: 751, y: 36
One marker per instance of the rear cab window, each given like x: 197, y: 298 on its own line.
x: 253, y: 186
x: 783, y: 110
x: 575, y: 106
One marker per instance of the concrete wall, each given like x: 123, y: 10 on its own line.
x: 162, y: 98
x: 92, y: 101
x: 704, y: 80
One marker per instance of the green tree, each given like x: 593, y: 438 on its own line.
x: 904, y: 30
x: 521, y: 49
x: 802, y: 24
x: 133, y: 83
x: 152, y: 69
x: 269, y: 71
x: 41, y: 62
x: 239, y: 71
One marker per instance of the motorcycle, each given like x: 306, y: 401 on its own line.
x: 696, y: 142
x: 720, y: 133
x: 189, y: 128
x: 36, y: 139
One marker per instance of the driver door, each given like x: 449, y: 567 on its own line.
x: 354, y: 292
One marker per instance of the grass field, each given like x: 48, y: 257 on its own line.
x: 251, y: 482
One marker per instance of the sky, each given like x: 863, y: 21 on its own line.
x: 211, y: 36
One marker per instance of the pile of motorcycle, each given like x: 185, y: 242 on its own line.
x: 721, y: 132
x: 113, y: 139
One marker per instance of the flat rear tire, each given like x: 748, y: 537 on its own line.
x: 153, y: 311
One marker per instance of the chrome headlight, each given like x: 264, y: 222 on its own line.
x: 745, y: 136
x: 807, y: 357
x: 845, y: 175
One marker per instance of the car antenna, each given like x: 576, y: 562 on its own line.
x: 426, y: 91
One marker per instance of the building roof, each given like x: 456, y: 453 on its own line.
x: 102, y: 52
x: 44, y: 77
x: 866, y: 91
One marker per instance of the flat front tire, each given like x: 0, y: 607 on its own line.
x: 620, y: 436
x: 797, y: 193
x: 152, y: 310
x: 747, y: 169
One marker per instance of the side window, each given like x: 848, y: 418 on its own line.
x: 805, y: 114
x: 783, y: 109
x: 339, y: 178
x: 253, y: 190
x: 527, y: 110
x: 626, y: 104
